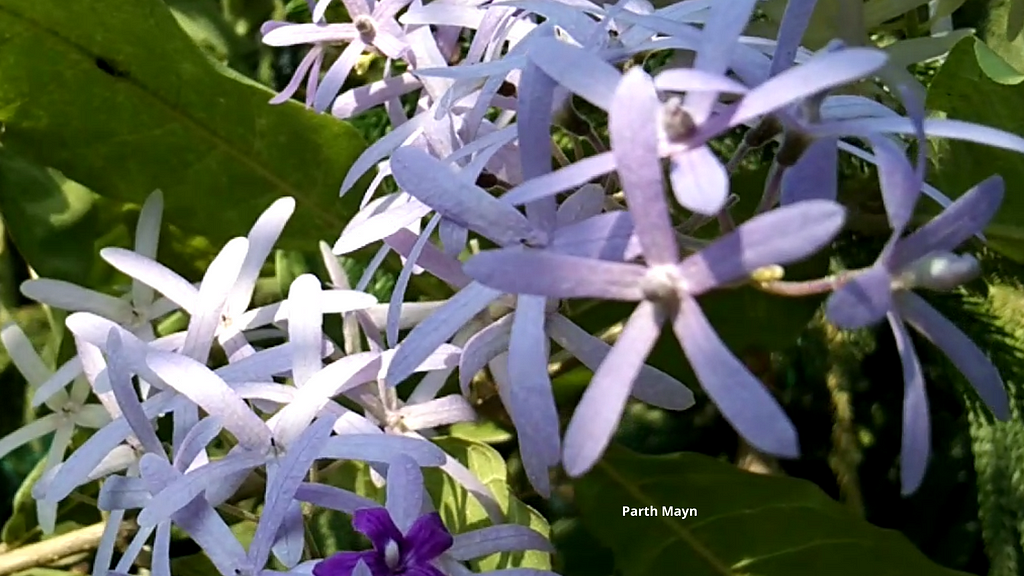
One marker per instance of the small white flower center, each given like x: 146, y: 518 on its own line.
x: 661, y: 285
x: 392, y: 556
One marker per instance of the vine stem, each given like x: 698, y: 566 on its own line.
x: 807, y: 287
x: 49, y: 551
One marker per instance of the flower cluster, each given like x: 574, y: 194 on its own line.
x: 481, y: 205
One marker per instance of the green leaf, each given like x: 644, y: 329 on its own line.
x: 204, y: 22
x: 995, y: 67
x: 964, y: 92
x: 50, y: 218
x: 23, y: 517
x: 148, y: 110
x: 999, y: 35
x: 743, y: 524
x: 487, y: 432
x: 461, y: 512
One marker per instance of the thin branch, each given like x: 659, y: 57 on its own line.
x: 49, y: 551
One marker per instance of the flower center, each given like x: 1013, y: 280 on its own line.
x: 676, y: 121
x: 392, y: 555
x: 366, y: 27
x: 661, y: 285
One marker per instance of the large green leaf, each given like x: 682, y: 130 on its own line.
x: 117, y: 97
x: 964, y: 92
x: 461, y: 512
x: 50, y: 218
x: 743, y: 524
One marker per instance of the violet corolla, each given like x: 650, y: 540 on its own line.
x: 665, y: 287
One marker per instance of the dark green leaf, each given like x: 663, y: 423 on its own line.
x: 115, y: 96
x: 743, y: 524
x: 50, y: 218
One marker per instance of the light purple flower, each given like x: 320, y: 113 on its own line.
x: 578, y: 230
x: 373, y: 25
x: 924, y: 259
x: 665, y: 288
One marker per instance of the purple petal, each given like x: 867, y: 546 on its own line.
x: 795, y: 20
x: 582, y: 72
x: 153, y: 274
x: 556, y: 275
x: 863, y: 301
x: 404, y: 492
x: 434, y: 184
x: 338, y: 377
x: 699, y: 180
x: 652, y: 385
x: 758, y: 243
x: 916, y: 425
x: 632, y: 125
x: 718, y: 41
x: 560, y: 180
x: 262, y: 237
x: 604, y: 237
x: 290, y: 541
x: 427, y: 539
x: 822, y: 72
x: 900, y: 185
x: 217, y: 284
x: 957, y: 223
x: 694, y: 80
x: 431, y: 259
x: 934, y: 127
x: 483, y: 347
x: 531, y: 400
x: 127, y: 398
x: 305, y: 327
x: 336, y: 75
x: 376, y: 524
x: 381, y: 448
x: 332, y: 498
x: 283, y: 481
x: 200, y: 385
x: 961, y: 351
x: 71, y: 297
x: 367, y: 96
x: 598, y: 413
x: 741, y: 397
x: 384, y: 216
x: 533, y: 119
x: 398, y: 292
x: 196, y: 441
x: 344, y: 563
x: 428, y: 335
x: 584, y: 203
x: 494, y: 539
x: 292, y: 34
x: 815, y: 174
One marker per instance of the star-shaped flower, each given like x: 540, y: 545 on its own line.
x: 666, y: 288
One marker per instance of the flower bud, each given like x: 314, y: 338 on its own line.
x: 940, y: 271
x: 794, y: 144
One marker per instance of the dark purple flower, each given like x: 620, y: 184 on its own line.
x: 394, y: 553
